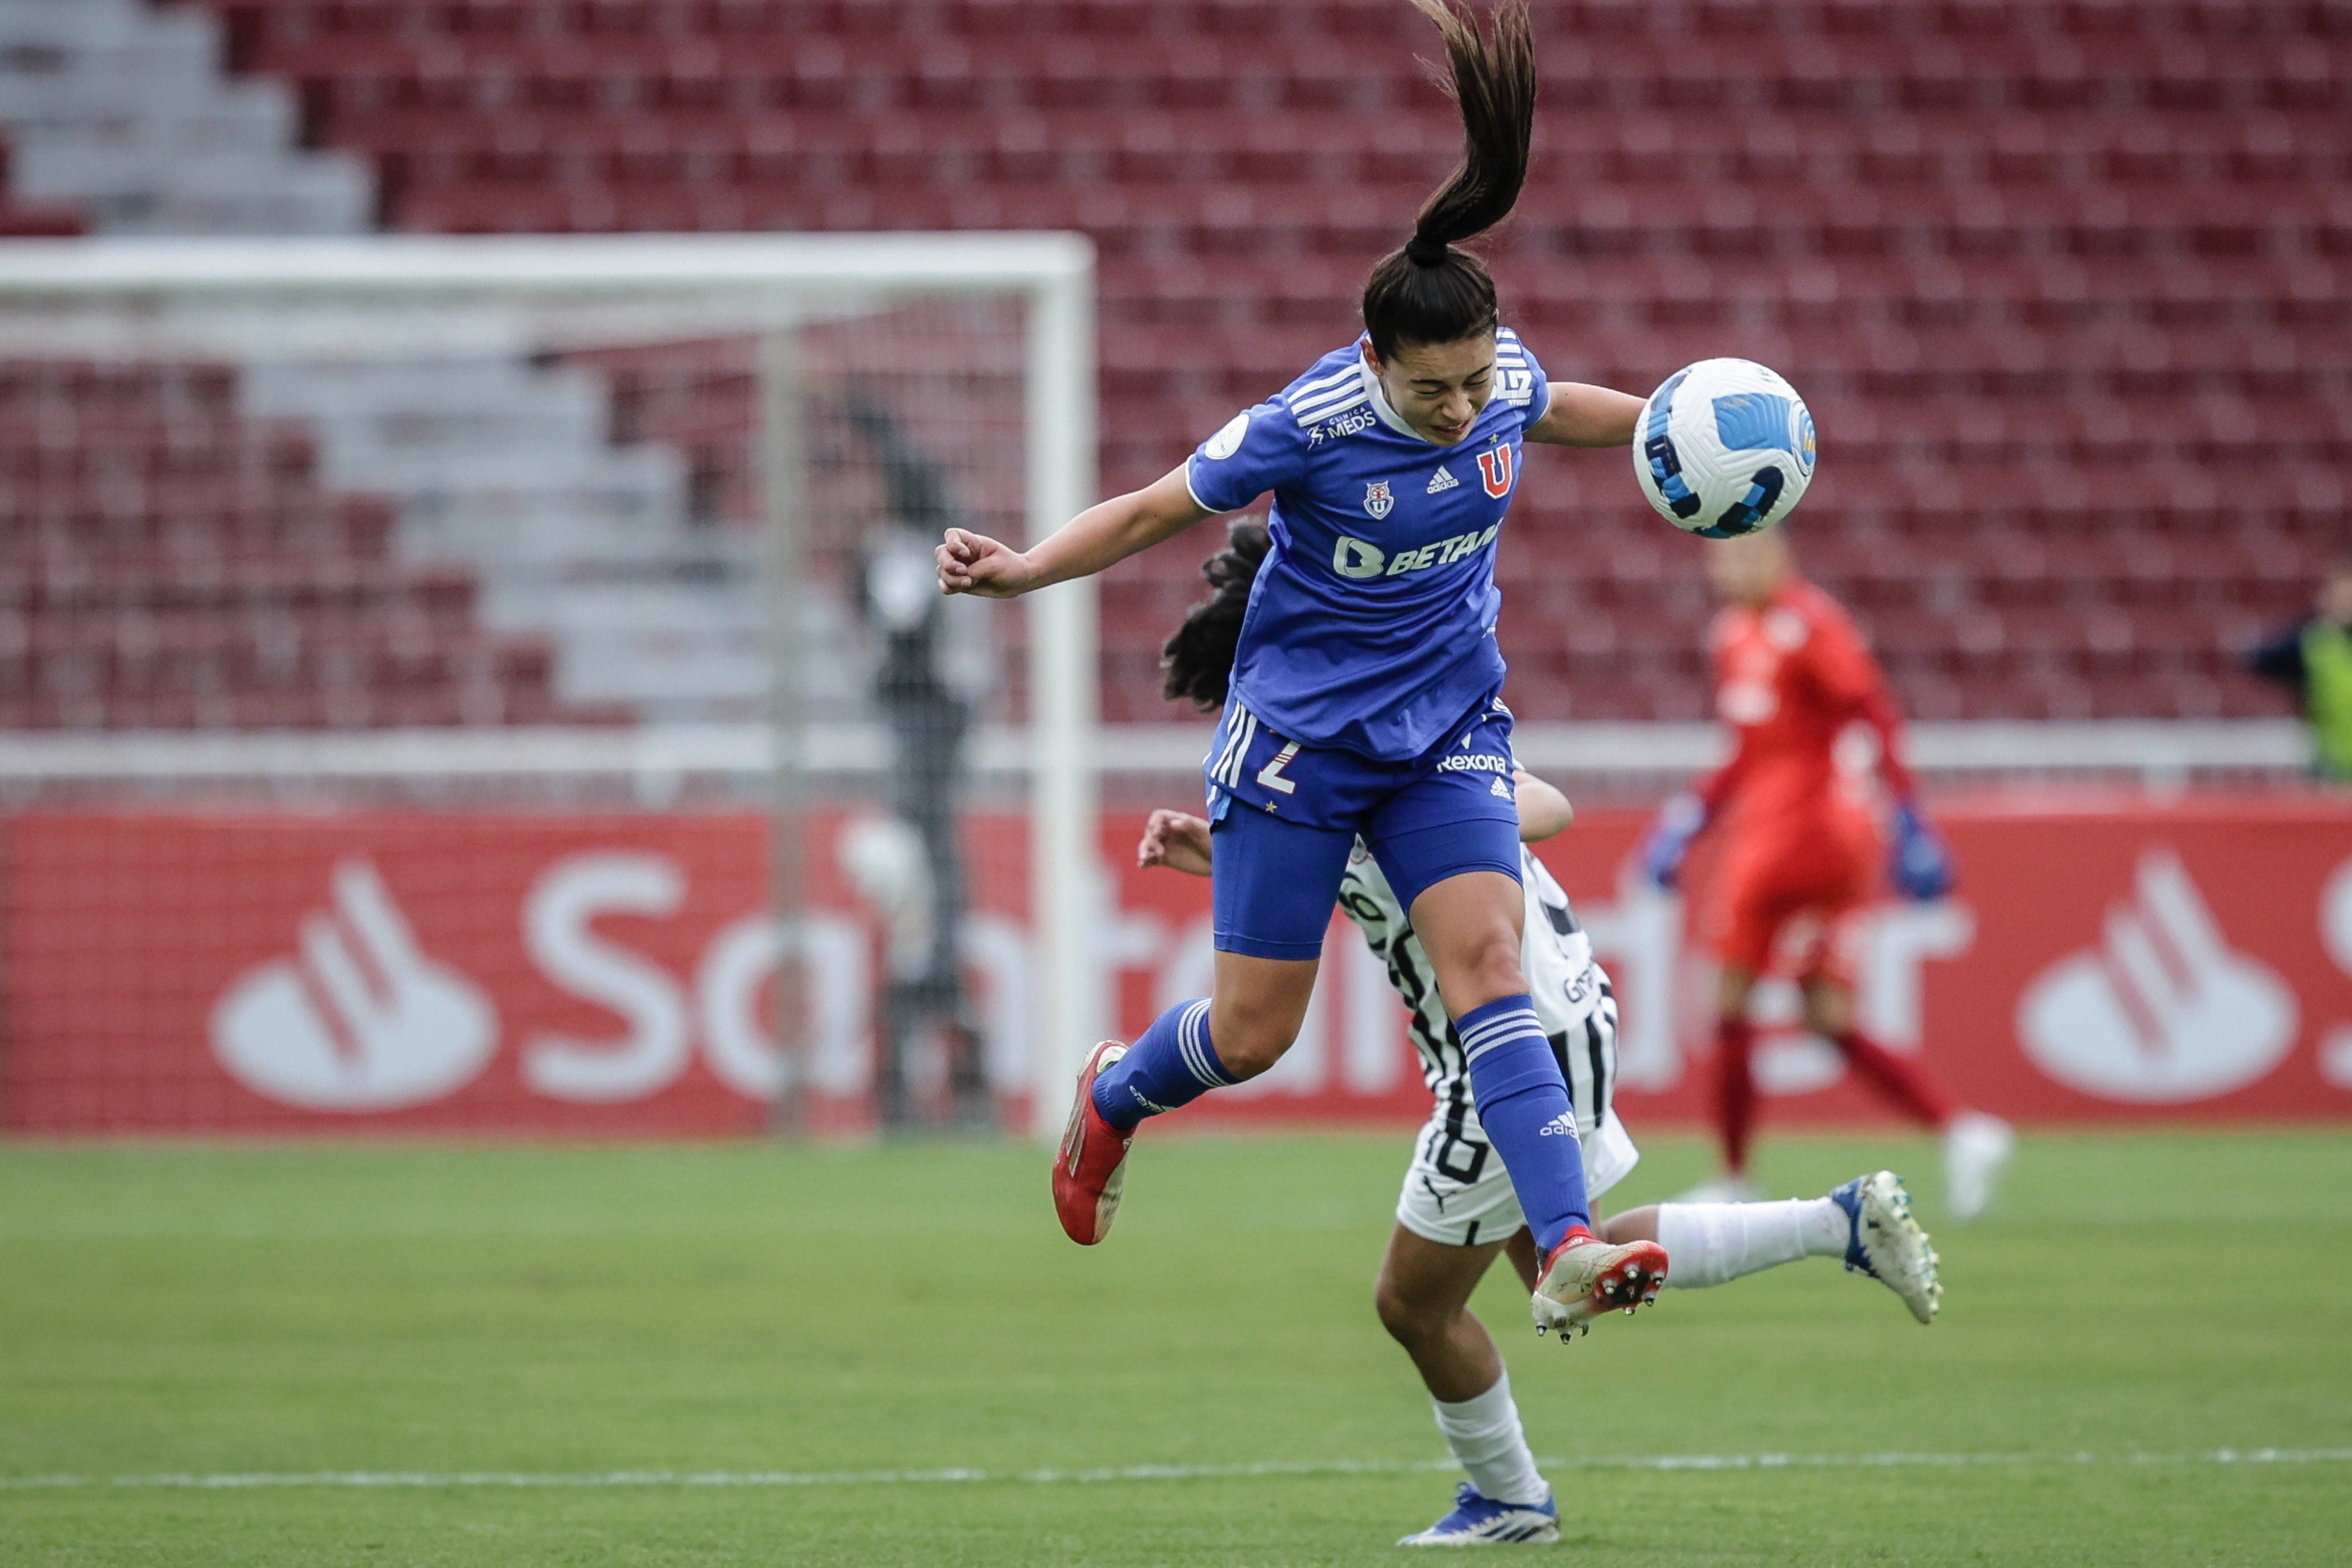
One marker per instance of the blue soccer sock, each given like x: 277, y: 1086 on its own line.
x: 1522, y: 1104
x: 1170, y: 1064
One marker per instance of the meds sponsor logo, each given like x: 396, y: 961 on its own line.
x: 1344, y: 425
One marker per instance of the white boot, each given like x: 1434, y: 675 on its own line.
x: 1975, y: 1148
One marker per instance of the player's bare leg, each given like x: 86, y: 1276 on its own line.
x: 1976, y: 1145
x: 1258, y: 1005
x: 1252, y: 1016
x: 1423, y: 1299
x: 1521, y: 1250
x: 1471, y: 925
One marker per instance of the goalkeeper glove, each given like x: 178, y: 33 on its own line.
x: 1669, y: 842
x: 1919, y: 865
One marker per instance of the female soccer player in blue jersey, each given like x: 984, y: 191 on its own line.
x: 1457, y: 1210
x: 1366, y: 698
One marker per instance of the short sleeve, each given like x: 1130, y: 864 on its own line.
x: 1259, y: 449
x: 1519, y: 378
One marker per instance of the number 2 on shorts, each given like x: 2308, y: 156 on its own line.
x: 1271, y: 774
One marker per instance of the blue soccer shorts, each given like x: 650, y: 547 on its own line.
x: 1285, y: 816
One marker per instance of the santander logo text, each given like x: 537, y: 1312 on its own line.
x: 589, y: 972
x: 359, y: 1018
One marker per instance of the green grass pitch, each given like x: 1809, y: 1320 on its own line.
x: 780, y: 1322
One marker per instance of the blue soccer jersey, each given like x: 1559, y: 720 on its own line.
x: 1372, y: 625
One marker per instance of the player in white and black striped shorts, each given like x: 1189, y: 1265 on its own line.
x: 1456, y: 1191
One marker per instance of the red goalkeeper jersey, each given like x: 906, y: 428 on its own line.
x: 1790, y: 678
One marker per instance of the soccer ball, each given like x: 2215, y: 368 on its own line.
x: 1725, y: 448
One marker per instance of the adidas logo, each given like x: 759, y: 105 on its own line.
x: 1496, y: 786
x: 1441, y: 480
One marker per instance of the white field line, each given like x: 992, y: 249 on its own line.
x: 1311, y: 1468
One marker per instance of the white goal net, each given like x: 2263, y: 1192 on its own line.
x: 496, y: 684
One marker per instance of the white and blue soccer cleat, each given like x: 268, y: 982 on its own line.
x: 1884, y: 1242
x: 1482, y: 1521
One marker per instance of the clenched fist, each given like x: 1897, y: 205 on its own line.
x: 974, y: 564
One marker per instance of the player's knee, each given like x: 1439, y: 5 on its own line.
x: 1410, y: 1319
x: 1827, y: 1010
x: 1250, y: 1040
x: 1733, y: 985
x: 1251, y: 1054
x: 1487, y: 968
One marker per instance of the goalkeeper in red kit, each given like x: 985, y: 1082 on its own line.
x: 1803, y: 854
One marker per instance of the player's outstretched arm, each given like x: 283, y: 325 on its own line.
x: 1544, y: 811
x: 1100, y: 537
x: 1582, y: 415
x: 1919, y: 862
x: 1177, y: 840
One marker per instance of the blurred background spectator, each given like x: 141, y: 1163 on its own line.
x: 2313, y: 659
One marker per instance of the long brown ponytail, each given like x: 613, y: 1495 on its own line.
x: 1428, y: 291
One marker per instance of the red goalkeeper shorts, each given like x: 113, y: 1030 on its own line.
x: 1786, y: 901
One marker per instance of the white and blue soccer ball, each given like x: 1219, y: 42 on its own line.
x: 1725, y: 448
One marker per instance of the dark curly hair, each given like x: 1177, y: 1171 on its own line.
x: 1197, y: 661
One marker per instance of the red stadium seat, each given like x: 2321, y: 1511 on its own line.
x: 175, y: 564
x: 2069, y: 288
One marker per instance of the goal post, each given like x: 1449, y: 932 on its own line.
x: 1066, y: 875
x: 568, y: 445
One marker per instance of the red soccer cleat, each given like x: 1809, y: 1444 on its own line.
x: 1585, y: 1277
x: 1090, y: 1168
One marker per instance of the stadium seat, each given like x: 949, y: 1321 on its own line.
x: 2068, y: 287
x: 174, y: 562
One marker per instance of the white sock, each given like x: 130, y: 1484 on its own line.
x: 1709, y: 1243
x: 1488, y: 1444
